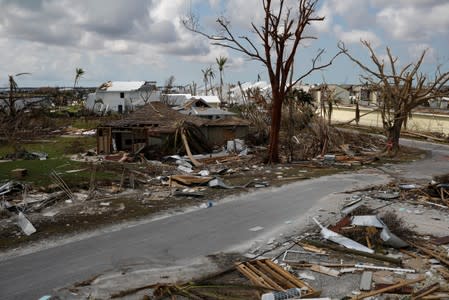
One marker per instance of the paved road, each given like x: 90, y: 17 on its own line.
x: 436, y: 162
x: 184, y: 236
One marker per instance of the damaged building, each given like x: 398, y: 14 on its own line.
x: 155, y: 124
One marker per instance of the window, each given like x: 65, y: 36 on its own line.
x: 122, y: 95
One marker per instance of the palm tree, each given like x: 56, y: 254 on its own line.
x: 221, y: 61
x: 211, y: 75
x: 79, y: 72
x: 205, y: 78
x: 12, y: 90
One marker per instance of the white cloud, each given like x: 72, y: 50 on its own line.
x: 355, y: 36
x: 142, y: 38
x: 414, y: 21
x: 324, y: 26
x: 415, y: 51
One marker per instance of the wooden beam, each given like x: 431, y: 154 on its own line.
x: 426, y: 291
x: 400, y: 284
x: 189, y: 153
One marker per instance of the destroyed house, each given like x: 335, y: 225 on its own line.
x: 200, y: 108
x: 122, y: 96
x: 155, y: 123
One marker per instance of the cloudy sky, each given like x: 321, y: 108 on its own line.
x: 145, y: 40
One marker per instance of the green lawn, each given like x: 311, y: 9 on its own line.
x: 59, y: 150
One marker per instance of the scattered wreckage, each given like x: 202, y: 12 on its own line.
x: 365, y: 254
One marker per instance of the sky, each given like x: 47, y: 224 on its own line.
x: 122, y: 40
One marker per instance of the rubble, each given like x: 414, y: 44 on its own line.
x: 25, y: 224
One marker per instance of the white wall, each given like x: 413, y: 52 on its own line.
x: 112, y: 100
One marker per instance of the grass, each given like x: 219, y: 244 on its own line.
x: 58, y: 149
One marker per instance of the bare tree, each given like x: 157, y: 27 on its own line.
x: 12, y: 109
x: 401, y: 89
x: 282, y: 31
x: 146, y: 92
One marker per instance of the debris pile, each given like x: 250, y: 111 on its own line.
x: 26, y: 155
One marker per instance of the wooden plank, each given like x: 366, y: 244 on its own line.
x: 426, y: 291
x: 401, y: 283
x: 325, y: 270
x: 311, y: 248
x: 189, y: 153
x: 436, y: 296
x: 267, y: 274
x: 444, y: 272
x: 411, y: 254
x: 242, y: 268
x: 270, y: 282
x: 295, y: 280
x: 279, y: 278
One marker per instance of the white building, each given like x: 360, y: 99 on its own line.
x: 121, y: 96
x: 239, y: 93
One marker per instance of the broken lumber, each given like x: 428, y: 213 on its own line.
x: 426, y: 291
x: 435, y: 255
x: 267, y: 274
x: 19, y: 173
x: 355, y: 252
x: 190, y: 180
x: 400, y: 284
x: 189, y: 153
x: 444, y: 272
x: 325, y: 270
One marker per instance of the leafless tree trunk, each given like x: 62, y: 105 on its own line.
x: 280, y: 34
x: 400, y: 90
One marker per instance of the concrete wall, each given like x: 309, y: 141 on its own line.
x: 423, y: 122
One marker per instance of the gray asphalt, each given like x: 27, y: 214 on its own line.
x: 184, y: 236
